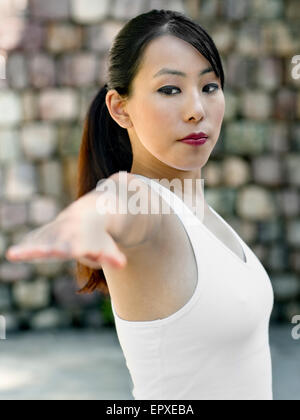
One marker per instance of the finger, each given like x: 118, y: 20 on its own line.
x: 22, y: 253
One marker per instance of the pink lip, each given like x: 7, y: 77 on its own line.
x: 195, y: 136
x: 195, y: 142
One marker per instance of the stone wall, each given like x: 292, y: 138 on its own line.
x: 55, y: 62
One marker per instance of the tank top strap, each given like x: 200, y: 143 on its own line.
x: 177, y: 204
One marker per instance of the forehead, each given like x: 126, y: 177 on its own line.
x: 170, y: 51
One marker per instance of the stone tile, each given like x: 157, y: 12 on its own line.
x: 177, y: 5
x: 246, y: 137
x: 269, y: 72
x: 292, y: 162
x: 39, y: 140
x: 286, y: 286
x: 248, y: 231
x: 232, y: 105
x: 12, y: 215
x: 235, y: 9
x: 10, y: 108
x: 29, y: 105
x: 49, y: 269
x: 63, y: 37
x: 270, y: 231
x: 261, y: 251
x: 1, y: 182
x: 100, y: 37
x: 126, y: 9
x: 209, y: 9
x: 221, y: 199
x: 17, y: 72
x: 278, y: 140
x: 5, y: 300
x: 20, y: 181
x: 268, y: 170
x: 51, y: 178
x: 12, y: 272
x: 240, y: 71
x: 58, y: 104
x: 295, y: 137
x: 86, y: 15
x: 87, y: 95
x: 294, y: 259
x: 248, y: 39
x: 33, y: 38
x: 278, y: 257
x: 70, y: 174
x: 293, y: 232
x: 256, y: 105
x: 285, y: 104
x: 212, y: 174
x: 42, y: 71
x: 3, y: 244
x: 235, y: 171
x: 49, y: 10
x: 223, y: 36
x: 42, y: 210
x: 267, y: 9
x: 292, y: 9
x: 32, y: 295
x: 255, y: 203
x: 77, y: 70
x: 51, y: 318
x: 69, y: 139
x: 9, y: 145
x: 277, y: 39
x: 288, y: 201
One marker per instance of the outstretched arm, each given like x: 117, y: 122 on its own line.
x: 91, y: 236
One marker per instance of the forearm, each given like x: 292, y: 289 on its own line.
x: 126, y: 228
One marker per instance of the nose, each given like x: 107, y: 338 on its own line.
x: 194, y: 108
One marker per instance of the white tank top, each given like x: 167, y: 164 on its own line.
x: 215, y: 347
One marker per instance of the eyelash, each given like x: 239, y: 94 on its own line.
x: 163, y: 89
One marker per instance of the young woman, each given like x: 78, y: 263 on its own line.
x: 191, y: 301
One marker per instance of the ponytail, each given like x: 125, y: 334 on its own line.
x: 105, y: 149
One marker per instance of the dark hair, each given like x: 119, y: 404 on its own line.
x: 105, y: 147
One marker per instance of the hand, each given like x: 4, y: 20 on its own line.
x: 78, y: 232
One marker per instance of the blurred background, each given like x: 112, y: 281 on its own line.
x: 52, y: 62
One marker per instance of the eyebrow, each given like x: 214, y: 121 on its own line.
x: 180, y: 73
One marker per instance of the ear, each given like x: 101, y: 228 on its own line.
x: 116, y: 107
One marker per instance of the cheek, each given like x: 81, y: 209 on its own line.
x: 154, y: 116
x: 219, y: 110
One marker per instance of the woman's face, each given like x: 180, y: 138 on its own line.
x: 166, y: 107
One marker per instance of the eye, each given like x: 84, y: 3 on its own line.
x: 166, y: 90
x: 212, y: 86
